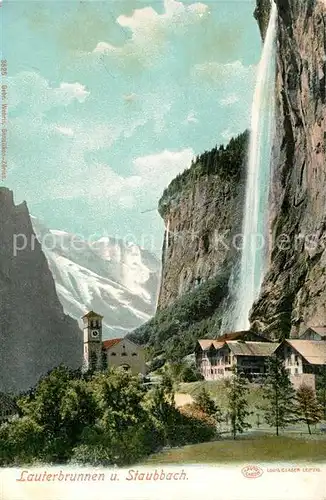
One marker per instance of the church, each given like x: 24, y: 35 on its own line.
x: 118, y: 352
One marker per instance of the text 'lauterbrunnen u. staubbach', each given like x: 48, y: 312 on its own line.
x: 204, y: 208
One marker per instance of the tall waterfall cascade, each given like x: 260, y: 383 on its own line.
x: 255, y: 223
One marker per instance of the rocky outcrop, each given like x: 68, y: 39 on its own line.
x: 35, y: 334
x: 201, y: 218
x: 294, y: 289
x: 262, y: 13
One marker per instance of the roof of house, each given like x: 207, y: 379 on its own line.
x: 313, y: 351
x: 107, y: 344
x: 205, y: 344
x: 321, y: 330
x: 92, y: 314
x: 252, y: 348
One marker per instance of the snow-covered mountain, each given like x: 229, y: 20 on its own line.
x: 116, y: 280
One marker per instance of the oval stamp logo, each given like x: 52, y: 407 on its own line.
x: 252, y: 471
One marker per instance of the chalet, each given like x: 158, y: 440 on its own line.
x: 304, y: 359
x: 314, y: 333
x: 246, y: 350
x: 303, y: 356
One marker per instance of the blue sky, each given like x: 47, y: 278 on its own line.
x: 108, y: 101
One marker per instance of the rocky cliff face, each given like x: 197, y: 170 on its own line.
x: 201, y: 219
x: 35, y: 334
x: 294, y: 290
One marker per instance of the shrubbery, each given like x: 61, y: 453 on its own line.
x: 174, y: 331
x: 106, y: 418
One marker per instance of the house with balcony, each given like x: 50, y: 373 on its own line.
x: 248, y: 351
x: 303, y: 359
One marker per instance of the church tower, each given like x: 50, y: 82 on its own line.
x: 92, y: 326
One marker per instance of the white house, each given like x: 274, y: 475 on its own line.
x: 303, y: 359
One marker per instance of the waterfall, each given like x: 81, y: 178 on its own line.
x: 258, y: 177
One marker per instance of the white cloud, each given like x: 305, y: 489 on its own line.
x: 149, y: 29
x: 191, y: 118
x: 229, y: 100
x: 34, y: 90
x: 150, y: 175
x: 129, y: 97
x: 73, y: 91
x: 218, y: 72
x: 104, y: 48
x: 65, y: 131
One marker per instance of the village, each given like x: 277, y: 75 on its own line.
x: 304, y: 358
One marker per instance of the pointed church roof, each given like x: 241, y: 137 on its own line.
x: 92, y: 314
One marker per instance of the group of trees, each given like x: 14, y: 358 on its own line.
x: 102, y: 418
x: 225, y: 161
x: 237, y: 410
x: 174, y: 331
x: 283, y: 404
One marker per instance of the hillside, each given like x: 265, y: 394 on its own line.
x: 35, y: 334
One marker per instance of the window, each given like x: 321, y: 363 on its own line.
x: 113, y: 354
x: 134, y: 354
x: 296, y: 371
x: 212, y: 371
x: 123, y: 354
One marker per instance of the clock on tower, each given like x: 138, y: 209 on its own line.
x: 92, y: 326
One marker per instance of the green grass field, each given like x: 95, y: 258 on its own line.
x: 218, y: 391
x: 253, y: 449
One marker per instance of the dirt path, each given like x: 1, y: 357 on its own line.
x: 182, y: 399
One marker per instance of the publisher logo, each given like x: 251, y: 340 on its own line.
x: 252, y: 471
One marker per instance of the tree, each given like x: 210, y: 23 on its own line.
x: 321, y: 390
x: 77, y: 410
x: 104, y: 360
x: 279, y: 394
x: 207, y: 404
x: 92, y: 362
x: 308, y: 407
x: 162, y: 408
x: 237, y: 392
